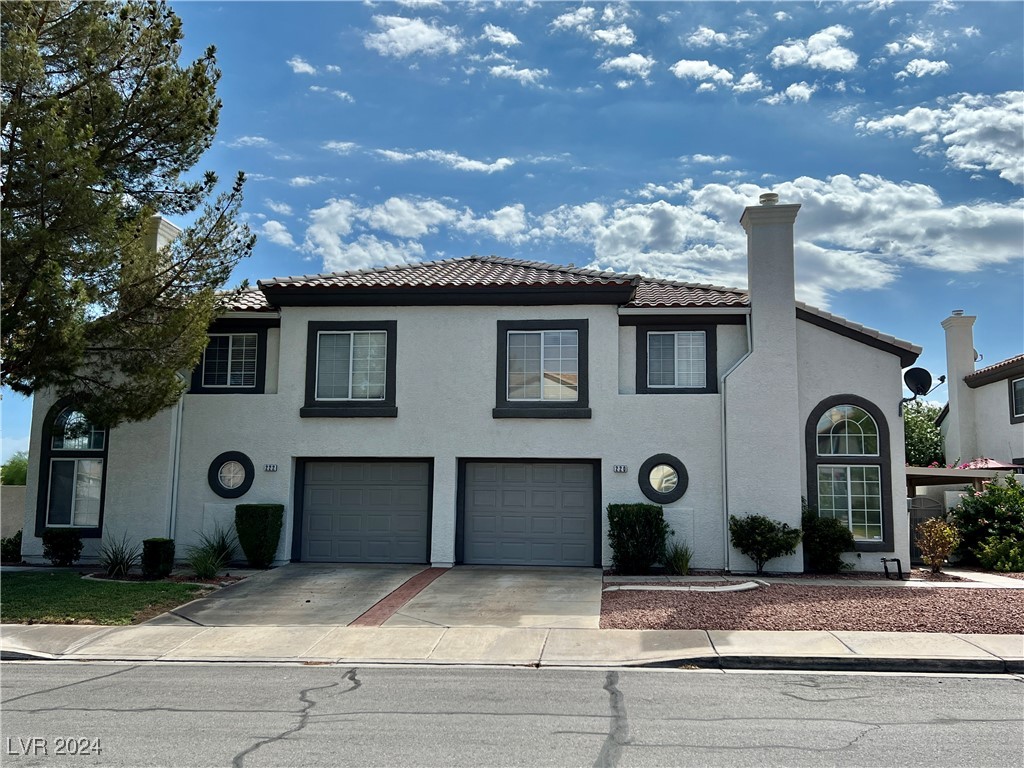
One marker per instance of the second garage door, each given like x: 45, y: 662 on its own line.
x: 366, y: 511
x: 532, y: 513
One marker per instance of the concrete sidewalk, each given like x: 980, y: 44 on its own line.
x: 874, y: 651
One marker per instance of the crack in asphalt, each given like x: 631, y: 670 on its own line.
x: 618, y: 729
x: 238, y: 761
x: 5, y: 702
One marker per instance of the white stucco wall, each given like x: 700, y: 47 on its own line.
x: 831, y: 364
x: 995, y: 437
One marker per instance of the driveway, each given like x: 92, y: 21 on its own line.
x: 306, y: 594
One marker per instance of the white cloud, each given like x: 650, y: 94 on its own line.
x: 300, y: 66
x: 332, y: 68
x: 282, y: 209
x: 500, y: 36
x: 701, y: 71
x: 508, y: 223
x: 276, y: 232
x: 975, y: 132
x: 525, y: 76
x: 341, y: 147
x: 407, y: 217
x: 401, y: 37
x: 971, y: 32
x: 633, y: 64
x: 749, y: 83
x: 307, y: 181
x: 582, y: 20
x: 329, y: 225
x: 343, y: 95
x: 822, y: 50
x: 369, y: 251
x: 249, y: 141
x: 650, y: 191
x: 705, y: 37
x: 921, y: 68
x: 450, y: 159
x: 620, y: 35
x: 421, y: 3
x: 708, y: 159
x: 796, y: 92
x: 578, y: 19
x: 916, y: 42
x: 781, y: 16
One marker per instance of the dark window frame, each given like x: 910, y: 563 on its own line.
x: 213, y: 475
x: 48, y: 453
x: 644, y: 479
x: 883, y: 461
x: 222, y: 328
x: 711, y: 359
x: 385, y: 408
x: 1014, y: 418
x: 539, y: 409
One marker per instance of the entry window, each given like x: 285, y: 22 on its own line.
x: 230, y: 360
x: 543, y: 365
x: 1017, y: 401
x: 850, y: 491
x: 351, y: 365
x: 677, y: 359
x: 75, y: 485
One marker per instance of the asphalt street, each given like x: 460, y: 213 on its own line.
x: 263, y: 715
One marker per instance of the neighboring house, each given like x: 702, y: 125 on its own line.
x: 487, y: 410
x: 984, y: 417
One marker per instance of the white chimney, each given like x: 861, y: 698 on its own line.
x: 160, y: 232
x: 961, y: 436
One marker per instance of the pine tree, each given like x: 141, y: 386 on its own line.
x: 100, y: 128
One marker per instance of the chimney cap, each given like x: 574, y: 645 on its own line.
x: 958, y: 313
x: 768, y: 198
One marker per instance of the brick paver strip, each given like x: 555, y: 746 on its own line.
x: 390, y: 605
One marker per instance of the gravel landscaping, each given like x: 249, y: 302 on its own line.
x: 797, y: 607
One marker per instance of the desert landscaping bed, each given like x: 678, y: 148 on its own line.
x: 796, y: 607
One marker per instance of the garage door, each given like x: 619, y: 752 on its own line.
x: 366, y: 511
x: 528, y: 514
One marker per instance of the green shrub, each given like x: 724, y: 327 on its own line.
x: 997, y: 511
x: 117, y: 558
x: 259, y: 530
x: 825, y: 540
x: 222, y: 541
x: 157, y: 557
x: 677, y: 559
x: 62, y: 546
x: 1004, y: 555
x: 638, y: 534
x: 10, y: 549
x: 15, y: 470
x: 762, y: 539
x: 936, y: 539
x: 205, y: 561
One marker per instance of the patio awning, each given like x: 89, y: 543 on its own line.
x: 921, y: 476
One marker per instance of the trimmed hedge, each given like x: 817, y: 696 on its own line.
x: 62, y: 546
x: 157, y: 558
x: 762, y: 539
x: 638, y: 535
x: 259, y: 530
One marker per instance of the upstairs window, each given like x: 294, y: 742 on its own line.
x: 351, y: 365
x: 230, y: 360
x: 677, y: 359
x: 543, y: 365
x: 1016, y: 401
x: 847, y: 431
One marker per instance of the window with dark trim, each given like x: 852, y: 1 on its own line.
x: 676, y: 359
x: 542, y: 370
x: 848, y: 469
x: 1016, y: 401
x: 235, y: 359
x: 350, y: 369
x: 72, y: 472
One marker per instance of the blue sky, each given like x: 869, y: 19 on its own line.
x: 629, y: 136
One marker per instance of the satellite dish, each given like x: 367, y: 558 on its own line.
x: 918, y: 381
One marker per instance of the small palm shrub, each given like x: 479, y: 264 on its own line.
x: 936, y: 539
x: 222, y: 541
x: 677, y: 559
x: 1004, y: 555
x: 259, y: 530
x: 118, y: 557
x: 762, y: 539
x: 638, y: 535
x: 205, y: 561
x: 62, y: 546
x: 157, y: 557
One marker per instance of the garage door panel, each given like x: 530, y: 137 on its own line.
x: 524, y: 513
x: 359, y: 511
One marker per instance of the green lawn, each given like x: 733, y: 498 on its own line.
x: 66, y: 598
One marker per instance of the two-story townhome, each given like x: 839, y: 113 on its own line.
x: 486, y: 410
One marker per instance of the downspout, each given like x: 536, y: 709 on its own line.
x: 172, y: 512
x: 725, y: 450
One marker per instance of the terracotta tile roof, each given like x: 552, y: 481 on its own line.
x: 460, y: 272
x: 668, y: 293
x: 1004, y: 369
x: 251, y: 300
x: 864, y: 330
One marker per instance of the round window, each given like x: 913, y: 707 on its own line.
x: 231, y: 474
x: 663, y: 478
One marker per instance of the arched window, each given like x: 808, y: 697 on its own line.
x: 848, y: 474
x: 72, y: 472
